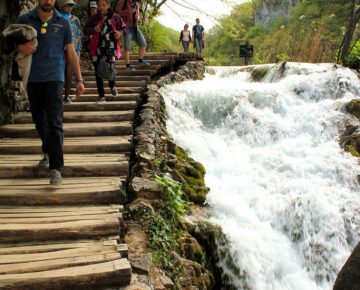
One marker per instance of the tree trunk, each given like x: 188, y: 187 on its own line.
x: 9, y: 11
x: 345, y: 47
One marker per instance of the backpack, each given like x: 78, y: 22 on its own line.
x: 106, y: 70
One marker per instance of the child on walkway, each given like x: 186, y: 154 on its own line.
x: 185, y: 38
x: 106, y: 28
x: 66, y: 9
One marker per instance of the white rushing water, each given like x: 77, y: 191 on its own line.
x: 284, y: 192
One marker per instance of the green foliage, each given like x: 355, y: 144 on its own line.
x: 354, y: 57
x: 312, y: 33
x: 160, y: 38
x: 172, y: 194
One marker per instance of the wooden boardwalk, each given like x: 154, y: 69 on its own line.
x: 67, y: 236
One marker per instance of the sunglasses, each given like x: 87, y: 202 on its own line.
x: 44, y: 25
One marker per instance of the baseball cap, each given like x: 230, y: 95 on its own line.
x: 65, y: 2
x: 92, y: 4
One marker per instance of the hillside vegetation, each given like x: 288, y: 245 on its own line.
x: 311, y: 32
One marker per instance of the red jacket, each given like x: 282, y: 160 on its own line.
x: 117, y: 24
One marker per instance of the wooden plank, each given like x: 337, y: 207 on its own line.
x: 72, y: 129
x: 68, y: 181
x: 90, y: 116
x: 91, y: 249
x: 114, y: 273
x: 45, y: 248
x: 59, y: 219
x: 54, y: 209
x: 59, y: 231
x: 7, y: 249
x: 106, y: 164
x: 28, y: 267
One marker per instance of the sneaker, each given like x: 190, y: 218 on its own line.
x: 44, y: 161
x: 101, y: 100
x: 144, y: 62
x: 67, y: 100
x: 114, y: 91
x: 130, y: 67
x: 55, y: 176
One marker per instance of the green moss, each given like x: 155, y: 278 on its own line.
x: 258, y: 73
x: 352, y: 150
x: 354, y: 108
x: 191, y: 173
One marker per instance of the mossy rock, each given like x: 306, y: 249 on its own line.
x: 352, y: 150
x: 258, y: 73
x: 354, y: 108
x: 191, y: 174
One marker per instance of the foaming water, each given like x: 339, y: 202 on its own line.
x: 282, y: 189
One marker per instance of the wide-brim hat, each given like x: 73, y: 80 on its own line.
x: 65, y: 2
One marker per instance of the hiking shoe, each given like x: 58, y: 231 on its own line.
x: 144, y: 62
x: 44, y: 161
x: 55, y: 176
x: 114, y: 91
x: 130, y: 67
x: 101, y: 100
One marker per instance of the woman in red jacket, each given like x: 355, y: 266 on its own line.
x: 105, y: 30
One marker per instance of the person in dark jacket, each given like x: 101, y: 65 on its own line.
x: 105, y: 30
x: 185, y: 38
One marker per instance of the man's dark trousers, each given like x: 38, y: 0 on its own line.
x: 47, y: 110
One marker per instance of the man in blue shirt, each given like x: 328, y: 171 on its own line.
x: 46, y: 80
x: 198, y: 36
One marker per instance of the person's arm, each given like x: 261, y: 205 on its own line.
x: 193, y: 35
x: 75, y: 65
x: 181, y: 35
x: 120, y: 27
x: 203, y: 34
x: 26, y: 48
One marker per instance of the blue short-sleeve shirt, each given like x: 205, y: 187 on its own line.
x: 48, y: 62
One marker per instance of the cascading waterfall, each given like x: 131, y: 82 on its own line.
x: 283, y: 191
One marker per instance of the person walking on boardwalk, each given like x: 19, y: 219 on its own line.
x: 105, y: 30
x: 129, y: 10
x: 46, y: 80
x: 66, y: 9
x: 198, y: 36
x: 185, y: 38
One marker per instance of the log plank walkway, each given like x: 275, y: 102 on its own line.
x: 67, y: 236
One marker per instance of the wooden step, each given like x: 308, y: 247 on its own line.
x: 70, y: 129
x: 121, y: 90
x: 93, y: 276
x: 36, y: 257
x: 73, y: 191
x: 76, y: 165
x: 138, y: 72
x: 96, y: 144
x: 106, y: 106
x: 120, y: 78
x: 109, y: 98
x: 135, y: 62
x: 44, y: 224
x: 118, y: 84
x: 88, y: 116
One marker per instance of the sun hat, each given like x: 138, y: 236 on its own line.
x: 92, y: 4
x: 66, y: 2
